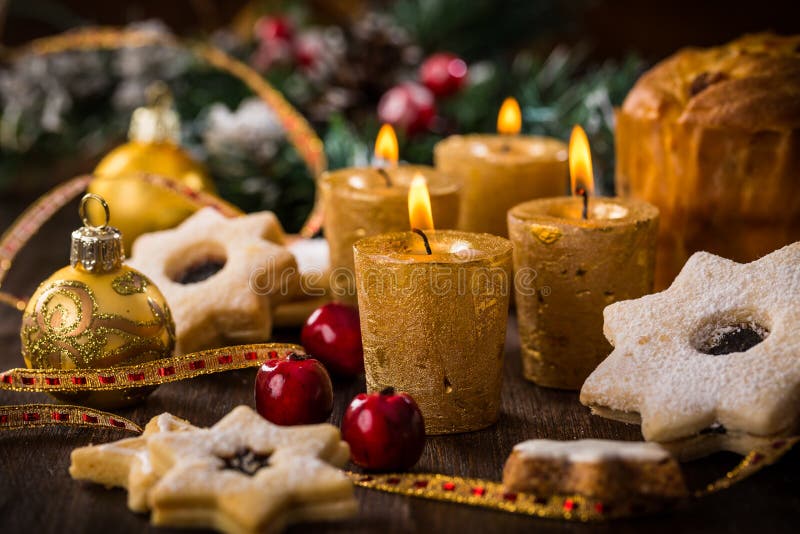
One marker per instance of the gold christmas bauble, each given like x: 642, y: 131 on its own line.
x: 95, y: 313
x: 154, y: 148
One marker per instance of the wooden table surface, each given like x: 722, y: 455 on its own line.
x: 37, y: 494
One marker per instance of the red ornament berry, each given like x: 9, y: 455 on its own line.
x: 443, y: 73
x: 332, y: 334
x: 274, y: 29
x: 294, y: 391
x: 409, y: 106
x: 385, y: 430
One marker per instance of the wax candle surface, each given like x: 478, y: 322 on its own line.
x: 360, y: 202
x: 567, y: 270
x: 434, y: 325
x: 500, y: 171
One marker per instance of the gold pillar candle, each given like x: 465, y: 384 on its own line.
x: 434, y: 325
x: 499, y: 171
x: 567, y: 269
x: 361, y: 202
x: 573, y: 257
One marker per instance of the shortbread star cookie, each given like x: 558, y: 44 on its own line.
x: 247, y: 475
x: 711, y: 363
x: 603, y: 469
x: 125, y: 463
x: 221, y: 276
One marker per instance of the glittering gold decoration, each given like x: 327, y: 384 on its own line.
x: 80, y: 320
x: 152, y: 373
x: 130, y: 282
x: 40, y: 415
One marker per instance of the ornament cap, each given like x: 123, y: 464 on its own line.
x: 96, y: 249
x: 156, y: 122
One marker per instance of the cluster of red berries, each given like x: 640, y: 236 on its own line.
x: 385, y: 430
x: 411, y: 106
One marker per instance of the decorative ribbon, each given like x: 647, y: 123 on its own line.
x: 152, y: 373
x: 37, y: 415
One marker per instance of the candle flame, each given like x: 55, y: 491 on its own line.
x: 580, y: 162
x: 419, y: 204
x: 509, y: 119
x: 386, y: 144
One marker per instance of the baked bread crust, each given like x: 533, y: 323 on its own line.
x: 712, y: 137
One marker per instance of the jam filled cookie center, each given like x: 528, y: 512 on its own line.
x: 199, y: 271
x: 718, y: 338
x: 246, y: 461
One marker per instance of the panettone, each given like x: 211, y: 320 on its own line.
x: 712, y: 137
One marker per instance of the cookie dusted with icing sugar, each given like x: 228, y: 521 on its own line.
x: 222, y: 277
x: 125, y: 463
x: 602, y: 469
x: 713, y: 362
x: 246, y: 475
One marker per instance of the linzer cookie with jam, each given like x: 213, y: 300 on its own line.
x: 712, y: 362
x: 246, y: 475
x: 603, y: 469
x: 221, y: 277
x: 243, y: 475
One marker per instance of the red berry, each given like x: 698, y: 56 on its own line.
x: 443, y: 73
x: 332, y: 334
x: 409, y: 106
x: 294, y: 391
x: 385, y: 430
x: 274, y: 29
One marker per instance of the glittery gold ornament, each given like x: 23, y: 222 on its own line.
x: 153, y: 148
x: 97, y: 313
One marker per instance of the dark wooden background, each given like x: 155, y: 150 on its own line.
x: 37, y: 494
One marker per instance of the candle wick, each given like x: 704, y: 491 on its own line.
x: 386, y: 176
x: 505, y: 147
x: 424, y: 239
x: 582, y: 192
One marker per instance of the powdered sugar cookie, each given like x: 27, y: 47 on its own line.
x: 247, y: 475
x: 603, y: 469
x: 221, y: 276
x: 125, y: 463
x: 713, y: 362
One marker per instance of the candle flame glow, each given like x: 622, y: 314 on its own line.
x: 386, y: 144
x: 419, y: 204
x: 509, y: 119
x: 580, y: 162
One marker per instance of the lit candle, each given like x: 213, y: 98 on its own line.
x: 365, y: 201
x: 499, y: 171
x: 434, y: 307
x: 573, y: 256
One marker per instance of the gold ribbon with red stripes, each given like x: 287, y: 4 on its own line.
x: 151, y: 373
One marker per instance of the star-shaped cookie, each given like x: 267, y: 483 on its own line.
x: 247, y: 475
x: 711, y: 363
x: 221, y: 276
x: 125, y: 463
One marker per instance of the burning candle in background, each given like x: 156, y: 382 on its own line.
x: 573, y: 256
x: 365, y: 201
x: 434, y: 307
x: 499, y: 171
